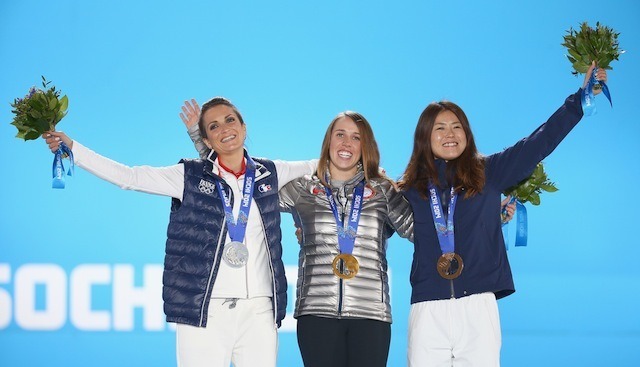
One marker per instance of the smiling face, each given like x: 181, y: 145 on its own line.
x: 225, y: 132
x: 345, y: 149
x: 448, y: 138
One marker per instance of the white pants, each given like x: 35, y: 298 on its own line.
x: 244, y: 335
x: 460, y: 332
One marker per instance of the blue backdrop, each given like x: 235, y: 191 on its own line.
x: 80, y: 268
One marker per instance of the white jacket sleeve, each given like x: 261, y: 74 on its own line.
x: 289, y: 170
x: 166, y: 181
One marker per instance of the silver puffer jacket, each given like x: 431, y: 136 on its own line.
x: 319, y: 291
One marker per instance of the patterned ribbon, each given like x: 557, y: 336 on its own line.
x: 237, y: 229
x: 347, y: 236
x: 521, y: 224
x: 444, y: 228
x: 58, y: 166
x: 587, y: 99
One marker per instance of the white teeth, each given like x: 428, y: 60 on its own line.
x: 449, y: 144
x: 344, y: 154
x: 228, y: 138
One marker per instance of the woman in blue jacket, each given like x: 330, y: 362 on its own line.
x: 456, y: 279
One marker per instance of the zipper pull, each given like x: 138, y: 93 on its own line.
x: 233, y: 302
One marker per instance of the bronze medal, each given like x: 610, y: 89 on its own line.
x: 450, y: 265
x: 345, y: 266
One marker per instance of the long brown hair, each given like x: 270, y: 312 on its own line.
x: 370, y: 157
x: 466, y: 171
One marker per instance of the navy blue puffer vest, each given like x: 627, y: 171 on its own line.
x: 196, y: 236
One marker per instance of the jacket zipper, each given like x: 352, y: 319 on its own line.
x: 381, y: 286
x: 444, y: 199
x: 223, y: 234
x: 340, y: 290
x: 340, y: 281
x: 273, y: 274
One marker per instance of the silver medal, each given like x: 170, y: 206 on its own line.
x: 235, y: 254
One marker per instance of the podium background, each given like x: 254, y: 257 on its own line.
x: 80, y: 267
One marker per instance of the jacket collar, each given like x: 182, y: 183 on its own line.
x: 441, y: 167
x: 350, y: 183
x: 211, y: 168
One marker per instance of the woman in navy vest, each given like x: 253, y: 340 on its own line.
x: 460, y: 265
x: 224, y: 281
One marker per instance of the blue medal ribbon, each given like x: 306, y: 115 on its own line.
x: 237, y: 229
x: 587, y: 98
x: 444, y: 226
x: 58, y: 166
x: 347, y: 237
x: 521, y: 224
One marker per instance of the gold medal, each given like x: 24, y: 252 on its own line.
x: 450, y: 265
x: 345, y: 266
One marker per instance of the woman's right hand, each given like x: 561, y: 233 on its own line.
x: 190, y: 113
x: 601, y: 75
x: 54, y: 138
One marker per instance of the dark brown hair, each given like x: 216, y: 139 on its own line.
x: 370, y: 157
x: 466, y: 171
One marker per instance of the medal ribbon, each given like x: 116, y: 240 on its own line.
x: 521, y: 224
x: 347, y: 237
x: 444, y: 228
x: 238, y: 229
x: 587, y: 99
x: 58, y: 167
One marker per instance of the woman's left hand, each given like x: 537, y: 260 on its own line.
x: 508, y: 209
x: 190, y: 113
x: 601, y: 75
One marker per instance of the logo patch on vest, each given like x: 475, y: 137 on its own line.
x: 264, y: 188
x: 206, y: 187
x: 317, y: 190
x: 368, y: 192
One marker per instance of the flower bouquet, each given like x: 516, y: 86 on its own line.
x: 588, y: 45
x: 38, y: 112
x: 528, y: 190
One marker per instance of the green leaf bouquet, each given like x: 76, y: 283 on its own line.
x: 588, y: 44
x: 39, y: 111
x: 529, y: 190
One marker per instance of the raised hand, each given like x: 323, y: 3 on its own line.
x: 190, y: 113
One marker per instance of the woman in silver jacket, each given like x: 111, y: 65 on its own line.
x: 346, y: 212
